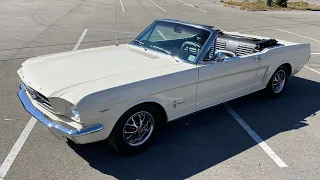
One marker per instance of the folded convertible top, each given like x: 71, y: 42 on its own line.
x: 242, y: 45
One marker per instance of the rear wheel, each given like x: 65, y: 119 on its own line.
x: 277, y: 82
x: 135, y: 130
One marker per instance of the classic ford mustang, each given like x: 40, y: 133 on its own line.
x: 123, y: 94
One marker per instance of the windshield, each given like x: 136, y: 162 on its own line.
x: 181, y: 41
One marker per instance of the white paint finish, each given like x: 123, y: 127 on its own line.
x: 80, y: 40
x: 221, y: 81
x: 105, y: 63
x: 180, y: 86
x: 157, y: 6
x: 297, y: 55
x: 299, y: 35
x: 311, y: 69
x: 315, y: 53
x: 192, y: 6
x: 122, y: 5
x: 16, y: 148
x: 256, y: 137
x: 170, y: 83
x: 111, y: 85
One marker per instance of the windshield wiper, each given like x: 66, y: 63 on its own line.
x: 141, y: 44
x: 166, y: 51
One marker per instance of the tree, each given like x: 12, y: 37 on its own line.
x: 268, y: 2
x: 280, y: 3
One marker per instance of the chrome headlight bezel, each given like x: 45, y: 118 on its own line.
x: 59, y: 106
x: 65, y: 108
x: 75, y: 113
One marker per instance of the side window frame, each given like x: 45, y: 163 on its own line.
x: 212, y: 45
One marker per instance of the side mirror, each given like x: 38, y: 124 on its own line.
x: 219, y: 56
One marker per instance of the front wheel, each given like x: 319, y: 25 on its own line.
x: 277, y: 82
x: 135, y: 130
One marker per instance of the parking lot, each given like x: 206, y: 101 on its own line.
x: 249, y: 138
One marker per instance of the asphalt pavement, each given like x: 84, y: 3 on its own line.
x: 207, y: 145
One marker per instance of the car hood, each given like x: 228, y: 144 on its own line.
x: 54, y: 75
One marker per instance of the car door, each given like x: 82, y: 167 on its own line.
x: 223, y: 81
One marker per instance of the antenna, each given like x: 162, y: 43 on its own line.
x: 117, y: 43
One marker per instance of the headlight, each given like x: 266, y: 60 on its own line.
x: 76, y: 114
x: 65, y: 108
x: 59, y: 106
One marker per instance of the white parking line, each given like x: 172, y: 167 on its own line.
x: 158, y: 6
x: 256, y: 137
x: 311, y: 69
x: 122, y: 5
x: 192, y: 6
x: 80, y: 40
x: 162, y: 35
x: 299, y: 35
x: 315, y: 53
x: 5, y: 166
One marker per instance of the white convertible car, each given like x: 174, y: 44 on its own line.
x: 123, y: 94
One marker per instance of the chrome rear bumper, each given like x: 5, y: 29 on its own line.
x: 56, y: 128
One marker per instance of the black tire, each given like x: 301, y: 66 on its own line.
x: 270, y: 91
x: 117, y: 140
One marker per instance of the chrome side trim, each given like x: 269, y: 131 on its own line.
x: 68, y: 132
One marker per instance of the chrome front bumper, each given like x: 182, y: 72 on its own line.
x: 59, y: 130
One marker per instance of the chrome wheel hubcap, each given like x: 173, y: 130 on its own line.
x: 138, y: 128
x: 278, y: 81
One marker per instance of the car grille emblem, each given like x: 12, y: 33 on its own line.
x: 33, y: 96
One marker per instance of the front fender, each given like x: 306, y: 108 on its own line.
x: 109, y: 116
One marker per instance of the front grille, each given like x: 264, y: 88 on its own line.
x: 41, y: 99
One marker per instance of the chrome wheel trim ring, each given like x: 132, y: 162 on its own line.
x: 138, y: 128
x: 278, y: 81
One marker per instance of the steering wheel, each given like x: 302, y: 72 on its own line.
x: 189, y: 44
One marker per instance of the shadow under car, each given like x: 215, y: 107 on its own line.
x: 195, y: 143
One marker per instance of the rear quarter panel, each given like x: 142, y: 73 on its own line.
x: 297, y: 55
